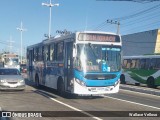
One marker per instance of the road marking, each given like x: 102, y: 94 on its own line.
x: 132, y: 102
x: 140, y: 93
x: 73, y: 108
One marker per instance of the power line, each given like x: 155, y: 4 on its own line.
x: 142, y: 12
x: 138, y: 13
x: 143, y: 26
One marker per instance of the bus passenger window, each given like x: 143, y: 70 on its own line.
x: 52, y: 52
x: 60, y: 51
x: 43, y: 53
x: 46, y: 53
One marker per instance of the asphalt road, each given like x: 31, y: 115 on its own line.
x: 114, y: 106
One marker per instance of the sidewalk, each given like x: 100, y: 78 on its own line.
x: 141, y: 89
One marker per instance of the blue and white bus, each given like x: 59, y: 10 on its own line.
x: 83, y: 63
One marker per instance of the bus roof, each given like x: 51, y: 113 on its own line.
x: 67, y: 36
x: 99, y: 32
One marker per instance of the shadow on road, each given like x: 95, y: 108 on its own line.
x: 50, y: 92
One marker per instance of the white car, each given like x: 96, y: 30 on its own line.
x: 11, y: 79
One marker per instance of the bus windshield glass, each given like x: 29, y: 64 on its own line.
x: 11, y: 61
x: 98, y: 58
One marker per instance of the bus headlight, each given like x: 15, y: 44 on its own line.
x: 80, y: 82
x: 2, y: 81
x: 116, y: 83
x: 21, y: 81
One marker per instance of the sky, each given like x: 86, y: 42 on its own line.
x: 72, y: 15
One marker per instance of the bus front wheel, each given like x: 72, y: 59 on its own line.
x: 151, y: 82
x: 122, y: 79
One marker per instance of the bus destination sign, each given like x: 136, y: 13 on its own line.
x: 98, y: 37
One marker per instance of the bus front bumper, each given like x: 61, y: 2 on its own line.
x: 83, y: 90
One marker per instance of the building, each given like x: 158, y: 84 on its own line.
x: 141, y: 43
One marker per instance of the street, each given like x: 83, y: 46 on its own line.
x: 43, y: 99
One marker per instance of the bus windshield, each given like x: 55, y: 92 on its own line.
x: 98, y: 58
x: 11, y: 61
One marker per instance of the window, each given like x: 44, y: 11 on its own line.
x: 43, y: 54
x: 60, y: 51
x: 47, y: 53
x: 36, y: 54
x: 40, y: 54
x: 128, y: 65
x: 33, y: 54
x: 133, y: 63
x: 52, y: 56
x: 142, y: 63
x: 157, y: 63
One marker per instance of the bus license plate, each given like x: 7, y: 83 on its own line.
x: 100, y: 89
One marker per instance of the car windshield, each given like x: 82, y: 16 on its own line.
x: 98, y: 58
x: 9, y: 72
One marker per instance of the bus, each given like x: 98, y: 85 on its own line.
x: 81, y: 63
x: 10, y: 60
x: 141, y: 70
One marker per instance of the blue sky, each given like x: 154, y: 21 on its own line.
x: 73, y: 15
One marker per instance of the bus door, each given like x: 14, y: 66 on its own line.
x: 31, y: 64
x: 68, y: 64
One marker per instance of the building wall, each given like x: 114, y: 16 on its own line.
x: 157, y: 47
x: 141, y: 43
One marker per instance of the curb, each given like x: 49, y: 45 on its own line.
x: 140, y: 89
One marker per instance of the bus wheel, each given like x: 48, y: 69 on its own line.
x: 151, y: 82
x: 60, y: 87
x: 37, y: 81
x: 122, y: 79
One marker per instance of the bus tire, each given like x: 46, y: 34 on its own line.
x: 60, y: 87
x: 37, y: 81
x: 151, y: 82
x: 122, y: 79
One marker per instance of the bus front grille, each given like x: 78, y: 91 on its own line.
x: 100, y: 77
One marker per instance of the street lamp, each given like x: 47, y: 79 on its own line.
x: 21, y: 29
x: 50, y: 5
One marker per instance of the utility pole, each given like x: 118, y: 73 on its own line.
x: 10, y: 44
x: 50, y: 5
x: 115, y: 22
x: 21, y: 29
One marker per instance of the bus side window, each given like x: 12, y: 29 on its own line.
x: 128, y: 63
x: 40, y: 54
x: 37, y: 54
x: 47, y: 53
x: 158, y: 63
x: 60, y: 51
x: 43, y: 54
x: 33, y: 54
x: 52, y: 52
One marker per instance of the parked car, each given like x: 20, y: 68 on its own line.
x: 11, y: 79
x: 23, y: 68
